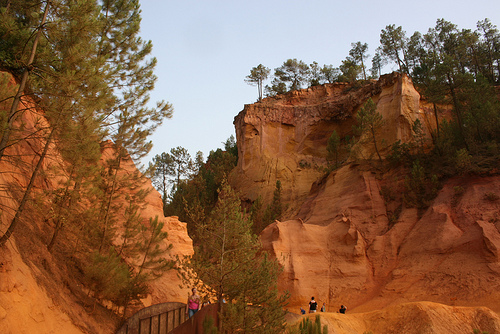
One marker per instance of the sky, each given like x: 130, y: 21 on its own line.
x: 206, y: 48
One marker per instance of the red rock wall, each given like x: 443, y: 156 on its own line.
x: 338, y: 244
x: 284, y: 138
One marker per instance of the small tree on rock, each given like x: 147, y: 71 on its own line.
x: 369, y: 120
x: 257, y: 76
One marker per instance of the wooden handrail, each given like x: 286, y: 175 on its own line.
x: 155, y: 319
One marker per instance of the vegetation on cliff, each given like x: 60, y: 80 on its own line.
x: 85, y: 76
x: 444, y: 56
x: 229, y: 267
x: 450, y: 67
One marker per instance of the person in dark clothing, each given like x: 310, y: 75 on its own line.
x: 342, y: 309
x: 313, y: 305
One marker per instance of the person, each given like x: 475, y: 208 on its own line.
x: 323, y: 308
x: 342, y: 309
x: 313, y: 305
x: 302, y: 311
x: 193, y: 303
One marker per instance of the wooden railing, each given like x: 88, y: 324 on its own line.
x: 155, y: 319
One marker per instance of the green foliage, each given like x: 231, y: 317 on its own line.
x: 393, y: 44
x: 257, y: 76
x: 152, y: 249
x: 91, y: 74
x: 491, y: 196
x: 257, y: 216
x: 209, y: 325
x: 370, y: 122
x: 161, y: 169
x: 377, y: 63
x: 358, y: 55
x: 274, y: 210
x: 463, y: 161
x: 107, y: 274
x: 333, y: 147
x: 229, y: 262
x: 306, y: 326
x: 350, y: 70
x: 420, y: 187
x: 400, y: 153
x: 231, y: 147
x: 315, y: 74
x: 330, y: 74
x: 293, y: 73
x: 196, y: 193
x: 478, y: 331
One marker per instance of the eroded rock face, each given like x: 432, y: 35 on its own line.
x: 284, y: 138
x: 341, y: 242
x: 344, y: 251
x: 414, y: 318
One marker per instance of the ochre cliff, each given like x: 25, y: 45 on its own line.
x: 344, y: 251
x: 414, y: 318
x: 284, y: 138
x: 340, y: 240
x: 37, y: 293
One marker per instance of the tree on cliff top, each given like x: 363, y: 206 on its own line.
x: 358, y: 54
x: 257, y: 76
x: 393, y: 46
x: 289, y: 76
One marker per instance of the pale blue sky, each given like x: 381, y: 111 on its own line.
x: 205, y: 48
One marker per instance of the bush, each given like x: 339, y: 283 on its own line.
x: 490, y: 196
x: 420, y: 187
x: 308, y: 327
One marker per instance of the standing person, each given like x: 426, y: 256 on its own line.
x: 323, y: 308
x: 193, y: 303
x: 313, y: 305
x: 342, y: 309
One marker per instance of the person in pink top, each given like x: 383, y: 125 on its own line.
x: 193, y: 303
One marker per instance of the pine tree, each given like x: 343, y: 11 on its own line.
x: 393, y: 46
x: 333, y: 147
x: 274, y: 210
x: 369, y: 120
x: 162, y: 169
x: 358, y: 54
x: 68, y: 86
x: 232, y: 268
x: 257, y: 76
x: 152, y: 250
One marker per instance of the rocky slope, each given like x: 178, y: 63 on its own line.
x: 414, y: 318
x: 342, y: 243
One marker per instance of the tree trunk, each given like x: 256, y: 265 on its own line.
x: 4, y: 141
x: 375, y: 142
x: 458, y: 110
x: 108, y: 205
x: 27, y: 192
x: 437, y: 118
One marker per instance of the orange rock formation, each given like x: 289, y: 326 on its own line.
x: 30, y: 301
x: 338, y: 243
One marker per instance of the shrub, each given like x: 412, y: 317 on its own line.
x: 420, y: 188
x: 490, y: 196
